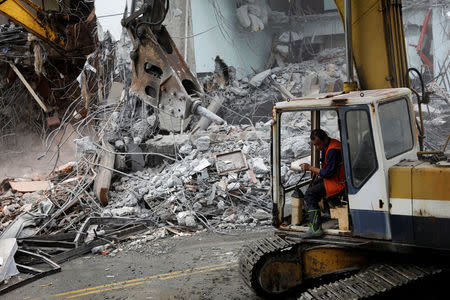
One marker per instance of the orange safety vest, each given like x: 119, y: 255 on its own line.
x: 336, y: 183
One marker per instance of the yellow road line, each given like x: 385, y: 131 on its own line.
x: 121, y: 283
x: 186, y: 273
x: 197, y: 272
x: 108, y: 289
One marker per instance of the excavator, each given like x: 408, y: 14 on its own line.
x: 394, y: 214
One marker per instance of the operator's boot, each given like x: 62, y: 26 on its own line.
x: 315, y: 225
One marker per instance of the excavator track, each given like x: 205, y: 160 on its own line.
x: 254, y: 254
x: 371, y: 281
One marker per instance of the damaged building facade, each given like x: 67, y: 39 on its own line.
x: 166, y: 132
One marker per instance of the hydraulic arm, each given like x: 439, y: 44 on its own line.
x: 161, y: 77
x: 33, y: 18
x: 378, y: 42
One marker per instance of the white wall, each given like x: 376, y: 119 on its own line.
x: 175, y: 23
x: 238, y: 48
x: 441, y: 38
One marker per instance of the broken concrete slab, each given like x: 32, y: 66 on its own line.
x: 204, y: 163
x: 85, y: 145
x: 186, y: 218
x: 137, y: 158
x: 259, y: 167
x: 30, y: 186
x: 233, y: 186
x: 166, y: 144
x: 261, y: 214
x: 8, y: 268
x: 257, y: 80
x: 238, y: 91
x: 190, y: 221
x: 202, y: 143
x: 186, y: 149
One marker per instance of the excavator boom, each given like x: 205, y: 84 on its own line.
x: 378, y: 43
x: 161, y: 77
x: 22, y: 12
x: 70, y: 34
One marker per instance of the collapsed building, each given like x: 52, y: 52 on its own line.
x: 148, y: 157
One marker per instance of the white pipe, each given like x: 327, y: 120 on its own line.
x: 186, y: 23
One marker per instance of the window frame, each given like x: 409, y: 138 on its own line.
x: 410, y: 127
x: 280, y: 124
x: 350, y: 169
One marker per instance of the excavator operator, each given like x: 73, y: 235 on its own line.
x: 329, y: 181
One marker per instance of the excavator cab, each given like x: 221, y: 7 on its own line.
x: 377, y: 131
x: 393, y: 202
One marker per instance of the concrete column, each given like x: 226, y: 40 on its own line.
x: 177, y: 18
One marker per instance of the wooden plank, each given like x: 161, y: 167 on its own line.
x: 28, y: 86
x: 341, y: 214
x: 30, y: 186
x: 102, y: 181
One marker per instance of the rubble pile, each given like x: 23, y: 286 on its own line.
x: 215, y: 179
x: 218, y: 179
x: 252, y: 97
x: 436, y: 118
x: 56, y: 204
x: 190, y: 192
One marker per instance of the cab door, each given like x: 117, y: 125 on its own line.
x: 366, y: 184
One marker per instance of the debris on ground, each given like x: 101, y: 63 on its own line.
x: 137, y: 177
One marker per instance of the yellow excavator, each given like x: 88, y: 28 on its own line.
x: 393, y: 218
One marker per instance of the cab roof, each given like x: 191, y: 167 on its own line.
x: 341, y: 99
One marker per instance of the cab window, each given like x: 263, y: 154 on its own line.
x: 396, y: 128
x: 363, y: 161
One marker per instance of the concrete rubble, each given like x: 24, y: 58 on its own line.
x: 163, y: 183
x: 190, y: 192
x: 251, y: 98
x: 253, y: 15
x: 181, y: 183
